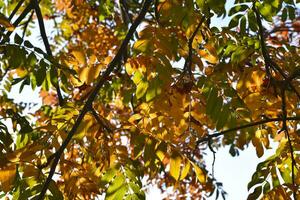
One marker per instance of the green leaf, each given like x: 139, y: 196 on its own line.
x: 266, y: 187
x: 38, y: 50
x: 153, y: 90
x: 135, y: 187
x: 40, y: 74
x: 243, y: 25
x: 33, y: 81
x: 55, y: 191
x: 18, y: 39
x: 266, y: 11
x: 53, y: 76
x: 284, y: 15
x: 141, y: 89
x: 116, y: 185
x: 132, y: 197
x: 234, y: 21
x: 255, y: 194
x: 211, y: 100
x: 108, y: 176
x: 137, y: 77
x: 26, y: 81
x: 31, y: 60
x: 215, y: 114
x: 232, y: 150
x: 119, y: 194
x: 255, y: 181
x: 252, y: 21
x: 291, y: 11
x: 28, y: 44
x: 238, y: 8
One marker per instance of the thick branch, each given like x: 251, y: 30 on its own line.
x: 88, y: 105
x: 215, y: 135
x: 47, y: 45
x: 15, y: 10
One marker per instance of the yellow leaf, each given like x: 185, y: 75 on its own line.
x: 201, y: 176
x: 207, y: 56
x: 134, y: 117
x: 7, y: 177
x: 142, y: 45
x: 21, y: 72
x: 211, y: 49
x: 175, y: 165
x: 91, y: 75
x: 258, y: 146
x: 261, y: 133
x: 6, y: 23
x: 80, y: 57
x: 83, y: 74
x: 129, y: 69
x: 185, y: 170
x: 84, y: 127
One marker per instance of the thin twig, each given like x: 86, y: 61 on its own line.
x: 103, y: 122
x: 26, y: 24
x: 215, y: 135
x: 214, y: 157
x: 49, y: 159
x: 188, y: 60
x: 47, y: 46
x: 88, y: 105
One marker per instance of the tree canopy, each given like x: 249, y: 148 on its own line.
x: 138, y: 90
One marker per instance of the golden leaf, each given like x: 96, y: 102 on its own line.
x: 201, y: 176
x: 185, y: 170
x: 207, y: 56
x: 80, y: 57
x: 175, y: 163
x: 7, y: 177
x: 6, y: 23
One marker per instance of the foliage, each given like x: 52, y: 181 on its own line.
x: 138, y: 91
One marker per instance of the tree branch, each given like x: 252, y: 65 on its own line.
x: 188, y: 61
x: 88, y: 104
x: 15, y: 10
x: 285, y: 129
x: 268, y: 61
x: 28, y: 8
x: 215, y: 135
x: 47, y: 46
x: 103, y: 122
x: 26, y: 24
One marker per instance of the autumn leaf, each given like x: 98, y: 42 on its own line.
x: 6, y: 23
x: 7, y: 177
